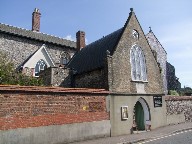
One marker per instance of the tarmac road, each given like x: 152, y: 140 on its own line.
x: 169, y: 131
x: 182, y: 137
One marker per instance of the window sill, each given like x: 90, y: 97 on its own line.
x: 139, y: 81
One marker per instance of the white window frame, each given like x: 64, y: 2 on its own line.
x: 42, y: 65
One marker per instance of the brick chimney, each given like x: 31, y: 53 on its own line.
x: 36, y: 20
x: 80, y: 36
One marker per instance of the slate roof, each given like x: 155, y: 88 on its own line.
x: 36, y: 35
x: 93, y: 55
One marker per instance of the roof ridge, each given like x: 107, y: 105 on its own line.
x: 12, y: 26
x: 12, y: 30
x: 93, y: 55
x: 156, y: 39
x: 35, y: 31
x: 104, y: 37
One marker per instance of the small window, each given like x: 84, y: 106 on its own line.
x: 135, y: 34
x: 138, y: 66
x: 65, y: 57
x: 40, y: 66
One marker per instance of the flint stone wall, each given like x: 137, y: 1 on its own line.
x: 161, y: 56
x: 18, y: 49
x: 179, y: 109
x: 55, y: 76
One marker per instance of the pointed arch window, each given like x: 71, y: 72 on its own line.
x: 138, y: 65
x: 40, y: 66
x: 65, y: 57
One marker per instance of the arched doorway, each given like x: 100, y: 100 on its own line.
x: 141, y: 113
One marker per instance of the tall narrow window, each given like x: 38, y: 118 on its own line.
x: 41, y: 65
x: 138, y: 66
x: 65, y: 57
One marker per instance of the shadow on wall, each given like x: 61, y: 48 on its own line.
x: 56, y: 76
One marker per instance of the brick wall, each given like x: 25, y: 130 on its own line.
x: 22, y: 107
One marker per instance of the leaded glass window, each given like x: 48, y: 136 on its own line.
x: 135, y: 34
x: 40, y: 66
x: 65, y: 57
x: 138, y: 66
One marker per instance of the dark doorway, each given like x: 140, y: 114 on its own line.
x: 139, y: 116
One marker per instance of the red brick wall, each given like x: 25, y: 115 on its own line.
x: 21, y: 110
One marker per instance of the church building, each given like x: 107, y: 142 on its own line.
x: 125, y: 63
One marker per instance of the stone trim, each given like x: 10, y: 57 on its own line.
x: 133, y: 94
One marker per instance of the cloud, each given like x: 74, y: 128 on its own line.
x: 69, y: 37
x: 86, y: 41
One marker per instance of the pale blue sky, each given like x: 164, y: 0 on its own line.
x: 171, y: 21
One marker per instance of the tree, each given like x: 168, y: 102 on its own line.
x: 9, y: 75
x: 173, y: 93
x: 186, y: 91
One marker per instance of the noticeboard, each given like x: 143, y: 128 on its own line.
x: 157, y: 101
x: 124, y: 112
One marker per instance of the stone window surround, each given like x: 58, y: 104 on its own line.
x: 135, y: 34
x: 65, y: 58
x: 40, y: 65
x: 138, y: 64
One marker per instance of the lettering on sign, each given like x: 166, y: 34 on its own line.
x: 157, y: 101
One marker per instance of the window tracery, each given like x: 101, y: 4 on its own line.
x: 135, y: 34
x: 138, y: 66
x: 65, y: 58
x: 40, y: 65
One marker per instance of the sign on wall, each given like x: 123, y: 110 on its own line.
x: 157, y: 101
x: 124, y: 112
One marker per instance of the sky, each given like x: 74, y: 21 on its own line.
x: 171, y: 22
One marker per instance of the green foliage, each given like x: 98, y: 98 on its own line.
x: 186, y: 90
x: 173, y: 92
x: 9, y: 76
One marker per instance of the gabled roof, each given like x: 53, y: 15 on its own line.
x: 92, y: 56
x: 151, y: 35
x: 32, y: 57
x: 36, y: 35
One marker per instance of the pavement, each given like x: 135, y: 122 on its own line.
x: 141, y: 136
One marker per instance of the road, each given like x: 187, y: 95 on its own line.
x: 183, y: 137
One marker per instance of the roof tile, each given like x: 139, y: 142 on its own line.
x: 36, y: 35
x: 14, y: 88
x: 92, y: 56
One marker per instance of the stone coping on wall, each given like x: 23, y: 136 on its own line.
x: 177, y: 98
x: 135, y: 94
x: 40, y: 89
